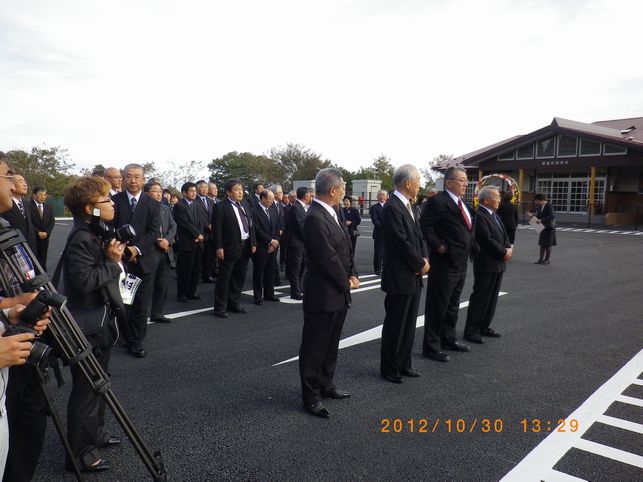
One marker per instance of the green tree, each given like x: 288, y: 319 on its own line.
x: 382, y: 169
x: 46, y: 167
x: 298, y: 162
x: 430, y: 174
x: 247, y: 167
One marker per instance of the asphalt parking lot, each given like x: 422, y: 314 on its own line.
x: 213, y: 398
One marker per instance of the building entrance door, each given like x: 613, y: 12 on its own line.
x: 570, y: 194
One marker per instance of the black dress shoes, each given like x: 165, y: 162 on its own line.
x: 336, y: 394
x: 393, y: 378
x: 111, y: 440
x: 210, y: 280
x: 162, y: 319
x: 136, y: 352
x: 540, y: 261
x: 220, y: 314
x: 272, y: 298
x: 258, y: 301
x: 490, y: 332
x: 437, y: 356
x: 318, y: 409
x: 455, y: 345
x: 474, y: 339
x: 410, y: 373
x: 101, y: 466
x: 181, y: 299
x: 237, y: 309
x: 194, y: 297
x: 297, y: 296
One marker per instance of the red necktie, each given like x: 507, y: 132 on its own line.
x: 464, y: 214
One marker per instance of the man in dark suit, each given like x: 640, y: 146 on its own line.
x: 447, y: 224
x: 295, y: 260
x: 278, y: 206
x: 283, y: 251
x: 375, y: 212
x: 488, y: 266
x: 115, y: 179
x: 164, y: 252
x: 266, y: 222
x: 206, y: 206
x: 329, y: 277
x: 43, y: 219
x: 191, y: 235
x: 234, y: 236
x: 257, y: 189
x: 144, y: 215
x: 19, y: 216
x: 402, y: 275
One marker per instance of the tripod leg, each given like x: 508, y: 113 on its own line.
x: 58, y: 424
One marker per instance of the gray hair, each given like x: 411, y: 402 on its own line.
x: 404, y: 173
x: 275, y: 188
x: 292, y: 193
x: 433, y: 190
x: 485, y: 192
x: 327, y: 179
x: 133, y: 166
x: 448, y: 174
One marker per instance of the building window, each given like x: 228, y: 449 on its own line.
x: 545, y: 147
x: 612, y: 150
x: 525, y: 152
x: 567, y: 146
x: 506, y: 156
x: 590, y: 148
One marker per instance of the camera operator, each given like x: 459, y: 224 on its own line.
x: 91, y: 273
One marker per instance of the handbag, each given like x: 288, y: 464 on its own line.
x: 90, y: 320
x: 355, y: 233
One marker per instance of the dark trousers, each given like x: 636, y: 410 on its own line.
x: 378, y: 254
x: 442, y: 306
x: 232, y: 276
x: 277, y: 255
x: 482, y: 303
x: 511, y: 234
x: 209, y: 261
x: 353, y: 243
x: 188, y: 264
x: 27, y: 417
x: 283, y: 252
x: 86, y: 415
x: 42, y: 247
x: 139, y: 312
x: 295, y: 268
x: 161, y: 282
x: 318, y: 352
x: 263, y: 275
x: 398, y: 332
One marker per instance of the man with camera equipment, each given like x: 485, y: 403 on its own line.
x: 91, y: 271
x: 144, y: 215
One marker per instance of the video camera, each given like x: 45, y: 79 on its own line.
x: 106, y: 233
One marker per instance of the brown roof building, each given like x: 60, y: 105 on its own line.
x: 583, y: 169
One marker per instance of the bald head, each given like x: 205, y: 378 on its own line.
x: 114, y: 177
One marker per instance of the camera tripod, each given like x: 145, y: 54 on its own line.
x: 73, y: 347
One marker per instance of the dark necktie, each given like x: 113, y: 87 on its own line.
x: 244, y: 219
x: 267, y: 213
x: 40, y: 210
x: 22, y: 209
x: 497, y: 220
x: 133, y: 205
x: 464, y: 215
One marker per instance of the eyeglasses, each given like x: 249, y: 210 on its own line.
x: 104, y: 201
x: 11, y: 178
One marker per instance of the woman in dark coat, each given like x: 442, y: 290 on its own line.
x: 508, y: 213
x: 352, y: 220
x: 91, y: 275
x: 545, y: 216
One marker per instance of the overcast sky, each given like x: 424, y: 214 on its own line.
x: 170, y: 81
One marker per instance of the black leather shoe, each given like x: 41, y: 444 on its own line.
x: 318, y: 409
x: 220, y: 314
x: 194, y: 297
x: 111, y: 440
x: 540, y: 261
x: 162, y: 319
x: 378, y: 273
x: 474, y: 339
x: 393, y: 378
x: 336, y: 394
x: 237, y: 309
x: 490, y: 332
x: 136, y: 352
x: 210, y: 280
x: 297, y: 296
x: 546, y: 261
x: 411, y: 373
x: 272, y: 298
x: 101, y: 466
x: 258, y: 301
x: 437, y: 356
x: 455, y: 345
x: 181, y: 299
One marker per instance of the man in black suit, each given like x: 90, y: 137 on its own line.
x: 43, y: 219
x: 164, y: 252
x: 283, y: 251
x: 257, y: 189
x: 402, y: 275
x: 266, y: 222
x: 488, y: 266
x: 295, y: 260
x: 191, y: 235
x: 144, y: 215
x: 206, y: 206
x: 375, y: 212
x: 19, y: 216
x: 234, y: 236
x: 278, y: 206
x: 330, y: 275
x: 447, y: 224
x: 115, y: 179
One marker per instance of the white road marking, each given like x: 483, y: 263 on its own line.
x: 620, y: 423
x: 539, y: 462
x: 596, y: 231
x: 555, y: 476
x: 373, y: 334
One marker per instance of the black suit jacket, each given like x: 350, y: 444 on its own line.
x: 403, y: 249
x: 189, y: 225
x: 443, y: 224
x: 168, y: 231
x: 265, y: 229
x: 296, y: 216
x: 544, y: 213
x: 146, y: 221
x: 508, y: 212
x: 376, y: 215
x: 279, y: 209
x: 205, y: 213
x: 24, y: 224
x: 46, y: 223
x: 227, y: 233
x: 351, y: 214
x: 493, y: 242
x: 328, y: 260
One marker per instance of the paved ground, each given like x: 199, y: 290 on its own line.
x: 210, y: 398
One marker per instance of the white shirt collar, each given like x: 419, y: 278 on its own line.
x: 130, y: 196
x: 488, y: 209
x: 453, y: 196
x: 303, y: 204
x: 404, y: 201
x: 328, y: 208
